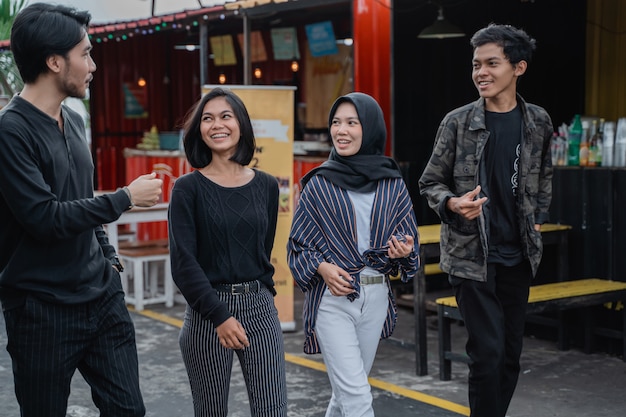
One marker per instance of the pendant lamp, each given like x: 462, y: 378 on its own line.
x: 441, y: 29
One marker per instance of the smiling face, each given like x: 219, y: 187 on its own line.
x: 346, y: 130
x: 78, y: 71
x: 219, y: 127
x: 493, y: 74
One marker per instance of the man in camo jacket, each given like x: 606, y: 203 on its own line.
x: 489, y: 179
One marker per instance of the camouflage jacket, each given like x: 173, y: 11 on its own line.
x: 455, y: 168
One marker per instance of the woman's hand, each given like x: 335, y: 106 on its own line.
x: 338, y: 281
x: 232, y: 335
x: 400, y: 249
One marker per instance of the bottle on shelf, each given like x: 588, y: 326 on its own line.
x: 608, y: 142
x: 583, y: 153
x: 599, y: 142
x: 554, y: 149
x: 574, y: 137
x: 620, y: 143
x: 562, y: 158
x: 593, y: 144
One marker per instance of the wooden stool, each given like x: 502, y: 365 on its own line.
x: 141, y: 261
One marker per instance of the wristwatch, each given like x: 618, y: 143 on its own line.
x: 117, y: 264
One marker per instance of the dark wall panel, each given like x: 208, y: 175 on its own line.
x: 432, y: 77
x: 619, y: 225
x: 597, y: 202
x: 567, y: 209
x: 591, y: 200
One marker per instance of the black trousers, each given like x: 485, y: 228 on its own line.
x: 49, y: 342
x: 494, y: 313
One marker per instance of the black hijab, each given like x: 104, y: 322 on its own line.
x: 362, y: 171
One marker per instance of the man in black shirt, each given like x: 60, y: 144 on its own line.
x: 60, y: 288
x: 490, y: 180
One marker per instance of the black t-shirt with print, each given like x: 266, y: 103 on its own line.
x: 501, y: 159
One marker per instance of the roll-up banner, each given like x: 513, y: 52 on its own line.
x: 271, y: 109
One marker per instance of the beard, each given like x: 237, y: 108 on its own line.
x: 73, y: 90
x: 70, y: 88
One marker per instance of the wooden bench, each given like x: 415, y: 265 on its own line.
x: 141, y: 260
x: 406, y: 300
x: 547, y: 297
x: 429, y: 269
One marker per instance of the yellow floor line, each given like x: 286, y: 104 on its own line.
x: 318, y: 366
x: 160, y: 317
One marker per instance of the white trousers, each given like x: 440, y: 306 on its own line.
x: 348, y: 334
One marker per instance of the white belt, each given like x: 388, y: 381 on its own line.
x: 372, y: 279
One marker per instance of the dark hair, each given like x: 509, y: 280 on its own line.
x: 516, y: 44
x: 41, y: 30
x: 198, y: 153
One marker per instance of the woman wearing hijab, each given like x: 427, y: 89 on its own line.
x: 354, y: 226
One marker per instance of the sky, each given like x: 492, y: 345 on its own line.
x: 105, y: 11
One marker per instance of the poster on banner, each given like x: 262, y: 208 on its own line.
x: 135, y: 101
x: 274, y: 130
x: 223, y: 50
x: 257, y: 47
x: 285, y: 44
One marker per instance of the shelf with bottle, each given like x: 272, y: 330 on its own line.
x: 590, y: 142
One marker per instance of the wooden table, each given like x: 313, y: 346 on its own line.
x: 430, y: 235
x: 156, y: 213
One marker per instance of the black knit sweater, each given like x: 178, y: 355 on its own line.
x: 221, y: 235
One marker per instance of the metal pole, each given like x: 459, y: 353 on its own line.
x: 204, y: 54
x: 247, y: 73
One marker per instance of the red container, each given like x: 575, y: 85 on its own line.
x: 168, y: 165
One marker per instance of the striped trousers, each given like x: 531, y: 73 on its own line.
x: 209, y: 365
x: 48, y: 342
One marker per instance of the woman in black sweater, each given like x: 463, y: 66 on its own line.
x: 222, y: 222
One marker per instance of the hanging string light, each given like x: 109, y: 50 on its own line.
x: 120, y: 31
x: 295, y: 66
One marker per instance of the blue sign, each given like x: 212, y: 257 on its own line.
x: 321, y: 39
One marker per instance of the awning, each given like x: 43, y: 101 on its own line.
x: 246, y: 4
x: 188, y: 19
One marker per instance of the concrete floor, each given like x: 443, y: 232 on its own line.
x: 552, y: 383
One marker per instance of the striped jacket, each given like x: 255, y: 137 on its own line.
x: 324, y: 229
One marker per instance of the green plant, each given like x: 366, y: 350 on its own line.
x: 10, y: 80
